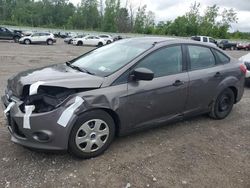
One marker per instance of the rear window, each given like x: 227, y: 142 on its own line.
x: 200, y: 57
x: 221, y: 57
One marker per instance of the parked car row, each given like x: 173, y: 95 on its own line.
x: 223, y: 44
x: 91, y: 40
x: 29, y: 37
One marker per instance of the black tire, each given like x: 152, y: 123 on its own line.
x: 16, y: 39
x: 224, y: 48
x: 100, y: 44
x: 70, y: 41
x: 27, y: 41
x: 49, y: 42
x: 79, y: 43
x: 84, y: 118
x: 108, y: 42
x: 223, y: 104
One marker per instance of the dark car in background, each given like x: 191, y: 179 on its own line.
x: 132, y: 84
x: 8, y: 34
x: 226, y: 44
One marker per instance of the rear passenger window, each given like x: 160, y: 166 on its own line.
x: 163, y: 62
x: 200, y: 57
x: 204, y: 39
x: 221, y: 57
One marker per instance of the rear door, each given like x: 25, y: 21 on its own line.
x: 205, y: 74
x: 163, y: 98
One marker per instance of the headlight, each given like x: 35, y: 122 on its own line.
x: 47, y: 99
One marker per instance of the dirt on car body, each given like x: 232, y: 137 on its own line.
x: 198, y: 152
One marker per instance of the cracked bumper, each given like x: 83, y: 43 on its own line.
x: 41, y: 124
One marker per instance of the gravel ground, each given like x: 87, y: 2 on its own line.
x: 199, y: 152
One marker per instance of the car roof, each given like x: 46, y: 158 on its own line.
x: 162, y: 41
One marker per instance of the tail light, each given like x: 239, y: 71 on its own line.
x: 243, y: 68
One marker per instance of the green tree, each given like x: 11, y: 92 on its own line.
x: 140, y: 19
x: 109, y: 20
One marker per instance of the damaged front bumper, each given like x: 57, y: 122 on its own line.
x: 45, y: 131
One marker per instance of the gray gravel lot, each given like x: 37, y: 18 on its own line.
x: 199, y: 152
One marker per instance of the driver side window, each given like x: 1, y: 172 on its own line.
x: 163, y: 62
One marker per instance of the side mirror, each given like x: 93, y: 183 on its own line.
x: 143, y: 74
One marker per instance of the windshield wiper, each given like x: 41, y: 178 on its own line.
x: 78, y: 68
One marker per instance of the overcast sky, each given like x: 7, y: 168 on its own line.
x: 170, y: 9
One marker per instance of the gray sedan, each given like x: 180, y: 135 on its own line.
x: 133, y: 84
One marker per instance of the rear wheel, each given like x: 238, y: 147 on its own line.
x: 49, y: 42
x: 100, y: 44
x: 92, y: 134
x: 108, y: 42
x: 223, y: 104
x: 79, y: 43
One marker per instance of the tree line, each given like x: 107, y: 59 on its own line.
x: 110, y: 16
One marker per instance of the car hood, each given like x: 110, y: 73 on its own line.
x: 57, y: 75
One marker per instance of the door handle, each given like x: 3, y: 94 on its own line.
x: 218, y: 75
x: 178, y: 83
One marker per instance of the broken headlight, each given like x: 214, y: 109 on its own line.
x: 47, y: 98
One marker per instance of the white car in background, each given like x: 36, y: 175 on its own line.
x: 246, y: 60
x: 38, y: 38
x: 108, y: 39
x: 89, y: 40
x: 205, y: 39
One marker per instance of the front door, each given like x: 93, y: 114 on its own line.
x: 163, y: 98
x: 35, y: 38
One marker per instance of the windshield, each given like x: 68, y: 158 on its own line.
x: 108, y: 59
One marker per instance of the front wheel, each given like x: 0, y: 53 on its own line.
x: 16, y: 39
x: 49, y: 42
x: 27, y: 41
x: 100, y: 44
x: 223, y: 104
x: 79, y: 43
x: 92, y: 134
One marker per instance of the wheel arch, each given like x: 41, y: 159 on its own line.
x: 235, y: 91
